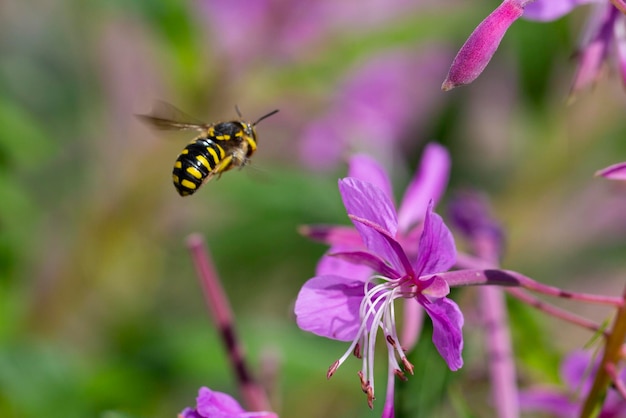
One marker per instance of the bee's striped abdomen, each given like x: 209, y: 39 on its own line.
x: 197, y: 161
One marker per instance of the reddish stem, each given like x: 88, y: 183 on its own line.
x: 554, y: 311
x: 219, y: 309
x: 502, y: 370
x: 486, y: 274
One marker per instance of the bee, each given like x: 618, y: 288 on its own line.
x: 218, y: 148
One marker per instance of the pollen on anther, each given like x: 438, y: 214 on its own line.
x: 365, y: 384
x: 357, y: 351
x: 407, y: 365
x: 370, y: 398
x: 400, y: 374
x: 332, y: 369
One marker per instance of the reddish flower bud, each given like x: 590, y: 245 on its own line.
x: 477, y: 51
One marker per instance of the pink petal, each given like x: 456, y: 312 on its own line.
x: 188, y: 413
x: 437, y: 252
x: 338, y: 267
x: 366, y: 201
x: 396, y: 256
x: 613, y: 172
x: 332, y: 234
x: 329, y: 306
x: 209, y: 402
x: 429, y: 183
x: 447, y: 330
x: 595, y: 48
x: 367, y: 259
x: 437, y: 288
x: 364, y: 167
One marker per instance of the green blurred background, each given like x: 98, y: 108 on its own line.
x: 100, y: 309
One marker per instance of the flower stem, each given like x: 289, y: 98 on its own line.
x: 611, y: 357
x: 219, y: 309
x: 554, y: 311
x: 495, y: 318
x: 530, y: 284
x: 481, y: 272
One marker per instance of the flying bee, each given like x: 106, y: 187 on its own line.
x: 218, y: 148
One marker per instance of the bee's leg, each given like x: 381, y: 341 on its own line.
x: 223, y: 165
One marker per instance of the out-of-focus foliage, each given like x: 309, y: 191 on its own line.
x: 100, y: 310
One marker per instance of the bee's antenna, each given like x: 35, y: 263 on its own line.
x: 238, y: 111
x: 273, y: 112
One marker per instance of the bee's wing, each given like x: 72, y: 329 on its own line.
x: 168, y: 124
x: 167, y: 116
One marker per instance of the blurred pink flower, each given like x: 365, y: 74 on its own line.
x: 605, y: 29
x: 577, y: 372
x: 375, y: 108
x: 247, y: 29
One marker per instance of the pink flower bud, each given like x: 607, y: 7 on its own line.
x: 477, y: 51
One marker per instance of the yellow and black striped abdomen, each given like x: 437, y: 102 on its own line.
x: 198, y: 162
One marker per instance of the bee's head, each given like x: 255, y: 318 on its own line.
x: 249, y: 128
x: 249, y: 131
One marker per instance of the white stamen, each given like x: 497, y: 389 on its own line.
x: 377, y: 307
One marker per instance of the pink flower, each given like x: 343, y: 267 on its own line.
x: 346, y: 306
x: 210, y: 404
x: 429, y: 183
x: 245, y: 31
x: 375, y: 107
